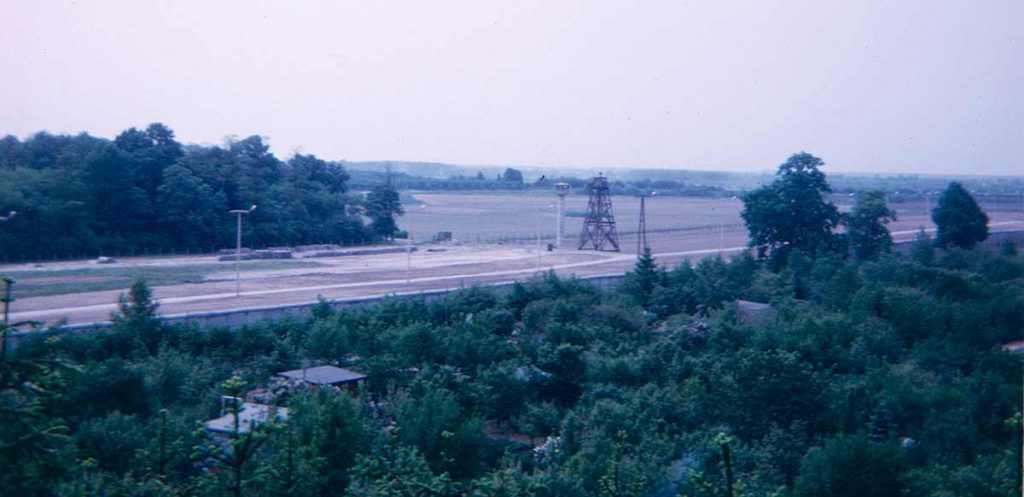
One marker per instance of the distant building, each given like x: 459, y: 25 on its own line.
x: 326, y: 376
x: 249, y: 416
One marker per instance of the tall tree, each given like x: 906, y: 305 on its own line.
x: 792, y: 212
x: 34, y: 442
x: 137, y: 315
x: 191, y: 213
x: 644, y: 279
x: 120, y: 208
x: 959, y: 219
x: 512, y: 175
x: 383, y: 204
x: 865, y: 225
x: 240, y: 453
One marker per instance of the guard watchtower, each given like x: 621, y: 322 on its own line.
x: 599, y: 226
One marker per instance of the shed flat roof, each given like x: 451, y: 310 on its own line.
x: 323, y: 375
x: 1014, y: 347
x: 250, y: 415
x: 746, y: 305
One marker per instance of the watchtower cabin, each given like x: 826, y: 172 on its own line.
x: 326, y: 376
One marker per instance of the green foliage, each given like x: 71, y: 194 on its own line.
x: 395, y: 471
x: 512, y: 175
x: 851, y: 466
x: 865, y: 225
x: 326, y: 433
x: 34, y: 441
x: 644, y: 280
x: 383, y: 205
x: 959, y: 219
x: 450, y: 440
x: 238, y: 455
x: 922, y: 250
x: 145, y: 192
x: 792, y: 212
x: 137, y: 316
x: 863, y: 377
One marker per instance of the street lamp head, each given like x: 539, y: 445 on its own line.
x: 242, y: 211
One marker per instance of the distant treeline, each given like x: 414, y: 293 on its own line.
x: 686, y: 182
x: 146, y: 192
x: 405, y: 181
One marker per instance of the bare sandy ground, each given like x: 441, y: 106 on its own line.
x: 450, y: 266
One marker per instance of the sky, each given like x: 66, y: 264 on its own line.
x: 869, y: 86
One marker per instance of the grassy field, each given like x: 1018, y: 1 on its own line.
x: 113, y: 277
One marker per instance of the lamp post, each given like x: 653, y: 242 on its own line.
x: 7, y: 287
x: 641, y: 228
x: 8, y: 282
x: 562, y: 189
x: 408, y: 259
x: 238, y: 247
x: 540, y: 248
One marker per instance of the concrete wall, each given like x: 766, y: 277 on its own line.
x: 236, y: 318
x: 995, y: 239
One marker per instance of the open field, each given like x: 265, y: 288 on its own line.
x: 681, y: 228
x: 499, y: 217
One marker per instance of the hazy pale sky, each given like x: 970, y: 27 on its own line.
x: 891, y: 86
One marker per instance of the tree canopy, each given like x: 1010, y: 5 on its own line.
x: 144, y: 191
x: 871, y: 378
x: 865, y: 225
x: 959, y: 220
x: 383, y: 205
x: 792, y: 213
x: 512, y: 175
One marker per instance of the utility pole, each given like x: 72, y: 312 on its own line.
x: 8, y: 282
x: 238, y: 247
x: 641, y: 230
x: 408, y: 260
x: 927, y: 208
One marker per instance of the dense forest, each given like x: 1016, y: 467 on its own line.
x: 144, y: 192
x: 866, y: 378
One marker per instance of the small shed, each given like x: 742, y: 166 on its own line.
x: 754, y: 313
x: 1014, y: 348
x: 249, y: 416
x: 326, y: 376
